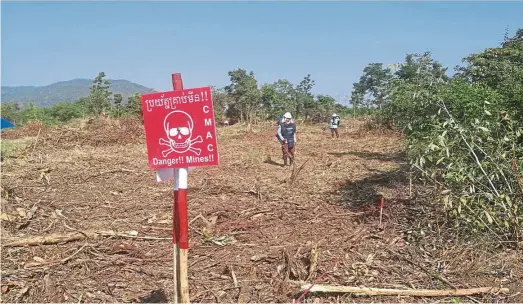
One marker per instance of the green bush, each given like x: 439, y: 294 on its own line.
x: 466, y: 135
x: 66, y: 111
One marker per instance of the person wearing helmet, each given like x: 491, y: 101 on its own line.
x: 334, y: 124
x: 287, y: 138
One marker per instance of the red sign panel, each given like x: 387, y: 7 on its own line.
x: 180, y: 129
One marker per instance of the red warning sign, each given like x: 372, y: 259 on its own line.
x: 180, y: 129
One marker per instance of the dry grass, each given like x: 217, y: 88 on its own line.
x: 246, y: 216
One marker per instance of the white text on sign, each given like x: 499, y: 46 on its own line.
x: 171, y: 102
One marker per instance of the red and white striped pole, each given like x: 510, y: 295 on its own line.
x: 180, y: 223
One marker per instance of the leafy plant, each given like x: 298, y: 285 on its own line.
x: 464, y: 133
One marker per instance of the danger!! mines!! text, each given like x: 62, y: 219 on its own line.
x: 180, y: 160
x: 171, y: 102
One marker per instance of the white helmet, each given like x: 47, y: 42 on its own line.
x: 287, y: 115
x: 334, y: 115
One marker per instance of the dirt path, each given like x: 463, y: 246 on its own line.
x: 247, y: 219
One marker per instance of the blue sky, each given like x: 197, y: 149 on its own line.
x: 144, y: 42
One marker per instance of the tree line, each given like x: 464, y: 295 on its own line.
x: 464, y: 134
x: 100, y: 101
x: 243, y: 100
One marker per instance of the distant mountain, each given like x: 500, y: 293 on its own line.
x: 66, y: 91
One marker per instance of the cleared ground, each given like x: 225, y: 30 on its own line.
x: 257, y: 230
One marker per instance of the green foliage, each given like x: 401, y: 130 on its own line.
x: 371, y: 90
x: 279, y: 97
x: 10, y: 111
x: 357, y: 97
x: 244, y: 93
x: 97, y: 102
x: 99, y: 98
x: 58, y: 113
x: 117, y: 109
x: 499, y: 68
x: 325, y: 106
x: 32, y: 112
x: 220, y: 101
x: 464, y: 134
x: 63, y: 112
x: 243, y: 100
x: 304, y: 98
x: 134, y: 105
x: 270, y: 100
x: 420, y: 66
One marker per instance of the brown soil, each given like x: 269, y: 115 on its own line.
x: 249, y: 220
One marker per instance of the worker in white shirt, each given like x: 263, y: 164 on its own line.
x: 334, y: 124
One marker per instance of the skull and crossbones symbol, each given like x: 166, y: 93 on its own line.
x: 178, y: 127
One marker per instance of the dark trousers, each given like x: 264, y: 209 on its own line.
x: 335, y: 130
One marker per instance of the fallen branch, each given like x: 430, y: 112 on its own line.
x: 76, y: 236
x: 46, y: 240
x: 403, y: 292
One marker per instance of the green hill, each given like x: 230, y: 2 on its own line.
x: 66, y: 91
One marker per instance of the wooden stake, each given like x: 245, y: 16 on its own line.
x: 410, y: 184
x: 403, y: 292
x: 183, y: 240
x: 175, y: 274
x: 182, y: 225
x: 382, y: 204
x: 176, y: 235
